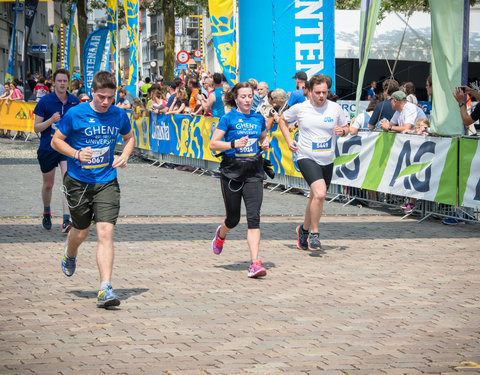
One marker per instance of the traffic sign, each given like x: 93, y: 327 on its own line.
x: 197, y: 53
x: 182, y: 66
x: 183, y: 57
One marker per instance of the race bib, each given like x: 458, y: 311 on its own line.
x: 100, y: 158
x: 251, y: 149
x: 322, y: 144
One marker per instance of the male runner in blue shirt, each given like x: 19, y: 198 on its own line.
x: 88, y: 134
x: 48, y: 111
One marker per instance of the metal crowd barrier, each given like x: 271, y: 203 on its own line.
x: 344, y: 194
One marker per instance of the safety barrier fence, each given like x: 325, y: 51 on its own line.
x: 441, y: 173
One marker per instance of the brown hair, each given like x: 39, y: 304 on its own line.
x: 318, y: 79
x: 61, y: 71
x: 104, y: 80
x: 409, y: 88
x: 390, y: 85
x: 230, y: 95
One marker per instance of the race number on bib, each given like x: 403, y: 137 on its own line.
x: 322, y: 144
x: 251, y: 149
x: 100, y: 158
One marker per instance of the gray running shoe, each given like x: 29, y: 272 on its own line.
x: 302, y: 242
x: 314, y: 241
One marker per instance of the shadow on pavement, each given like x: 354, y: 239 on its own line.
x: 241, y: 266
x: 27, y: 233
x: 123, y: 294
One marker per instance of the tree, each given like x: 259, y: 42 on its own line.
x: 171, y: 9
x: 402, y: 6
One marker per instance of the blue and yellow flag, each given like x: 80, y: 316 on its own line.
x: 224, y: 37
x: 112, y: 26
x: 131, y: 15
x: 11, y: 50
x: 73, y: 50
x: 68, y: 40
x: 368, y: 21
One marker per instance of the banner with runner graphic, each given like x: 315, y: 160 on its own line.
x: 131, y: 15
x: 17, y: 115
x: 223, y: 26
x: 469, y: 173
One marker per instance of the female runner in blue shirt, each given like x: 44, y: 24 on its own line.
x: 240, y: 134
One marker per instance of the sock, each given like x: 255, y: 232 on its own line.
x: 105, y: 284
x: 46, y: 210
x: 304, y: 230
x: 66, y: 217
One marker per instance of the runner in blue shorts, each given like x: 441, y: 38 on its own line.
x: 48, y: 111
x: 88, y: 134
x: 320, y: 121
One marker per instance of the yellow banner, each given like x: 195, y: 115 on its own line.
x: 223, y: 35
x: 17, y: 115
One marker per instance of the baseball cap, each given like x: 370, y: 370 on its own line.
x: 398, y: 95
x: 301, y: 75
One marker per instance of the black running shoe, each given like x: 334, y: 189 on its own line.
x: 47, y: 221
x: 302, y: 242
x: 314, y: 242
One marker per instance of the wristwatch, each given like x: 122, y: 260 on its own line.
x: 390, y: 127
x: 461, y: 104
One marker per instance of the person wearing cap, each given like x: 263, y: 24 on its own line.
x: 171, y: 91
x: 405, y: 116
x: 298, y: 96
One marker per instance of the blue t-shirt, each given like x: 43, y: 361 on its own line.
x: 382, y: 110
x: 296, y: 97
x: 46, y: 108
x: 171, y: 99
x: 218, y: 108
x: 371, y: 94
x: 85, y: 127
x: 237, y: 125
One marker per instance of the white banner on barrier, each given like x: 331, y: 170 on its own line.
x: 353, y: 158
x: 471, y: 198
x: 415, y: 166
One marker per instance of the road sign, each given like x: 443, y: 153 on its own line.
x: 182, y: 66
x: 40, y: 48
x: 183, y: 57
x: 197, y: 53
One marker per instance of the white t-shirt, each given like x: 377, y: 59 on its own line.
x: 410, y: 113
x: 316, y: 140
x: 360, y: 121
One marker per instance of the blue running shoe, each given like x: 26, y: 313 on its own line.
x: 107, y: 298
x: 68, y: 264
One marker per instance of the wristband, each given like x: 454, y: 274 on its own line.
x: 232, y: 144
x: 75, y: 154
x: 343, y: 132
x: 78, y: 155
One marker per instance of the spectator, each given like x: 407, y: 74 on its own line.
x: 213, y: 105
x: 74, y: 87
x: 194, y: 88
x: 40, y: 90
x: 123, y: 101
x: 361, y: 121
x: 405, y: 116
x: 371, y: 91
x: 84, y: 98
x: 409, y: 90
x: 383, y: 109
x: 144, y: 88
x: 171, y: 93
x: 460, y: 95
x: 81, y: 88
x: 278, y: 102
x: 256, y: 98
x: 262, y: 94
x: 31, y: 82
x: 138, y: 108
x: 159, y: 104
x: 4, y: 96
x: 180, y: 102
x: 15, y: 93
x: 298, y: 96
x: 422, y: 126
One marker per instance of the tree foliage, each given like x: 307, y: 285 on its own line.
x: 402, y: 6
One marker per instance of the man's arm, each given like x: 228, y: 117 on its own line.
x: 207, y: 104
x: 58, y: 144
x: 459, y: 96
x: 128, y: 143
x: 40, y: 124
x: 282, y: 123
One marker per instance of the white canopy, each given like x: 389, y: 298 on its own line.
x: 388, y: 35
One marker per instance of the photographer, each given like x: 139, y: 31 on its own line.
x: 460, y: 94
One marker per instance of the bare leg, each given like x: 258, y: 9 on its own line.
x: 105, y: 250
x: 318, y: 192
x: 48, y: 181
x: 75, y: 239
x: 224, y: 230
x: 253, y: 240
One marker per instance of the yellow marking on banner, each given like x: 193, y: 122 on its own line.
x: 17, y: 115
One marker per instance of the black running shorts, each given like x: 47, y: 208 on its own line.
x: 311, y: 171
x: 49, y: 159
x: 92, y: 202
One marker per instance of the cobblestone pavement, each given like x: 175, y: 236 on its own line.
x: 386, y: 296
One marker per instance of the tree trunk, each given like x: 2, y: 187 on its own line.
x: 169, y: 40
x: 82, y: 29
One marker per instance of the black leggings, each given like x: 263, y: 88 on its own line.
x: 252, y: 193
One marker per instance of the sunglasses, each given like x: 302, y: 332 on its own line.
x: 84, y: 100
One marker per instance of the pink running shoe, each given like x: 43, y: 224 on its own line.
x: 217, y: 242
x: 256, y: 269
